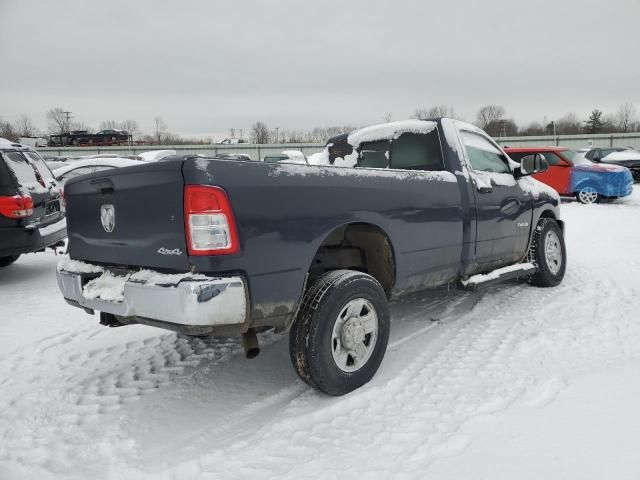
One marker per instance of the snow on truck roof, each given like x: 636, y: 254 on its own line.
x: 389, y: 131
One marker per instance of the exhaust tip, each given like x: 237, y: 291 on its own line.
x: 250, y: 344
x: 252, y: 353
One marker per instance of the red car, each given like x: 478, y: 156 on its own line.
x: 571, y: 174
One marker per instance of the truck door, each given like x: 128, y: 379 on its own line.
x: 503, y: 209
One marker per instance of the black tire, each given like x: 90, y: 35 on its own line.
x: 6, y: 261
x: 548, y: 275
x: 310, y: 338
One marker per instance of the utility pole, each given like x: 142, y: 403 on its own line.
x: 68, y: 125
x: 277, y: 137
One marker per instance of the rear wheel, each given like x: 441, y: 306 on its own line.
x: 6, y: 261
x: 548, y: 253
x: 340, y: 336
x: 588, y: 195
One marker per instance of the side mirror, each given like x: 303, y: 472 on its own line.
x: 532, y: 164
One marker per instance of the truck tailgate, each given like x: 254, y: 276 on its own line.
x: 129, y: 216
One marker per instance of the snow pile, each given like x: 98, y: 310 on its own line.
x: 358, y: 173
x: 319, y: 158
x: 150, y: 277
x: 107, y: 287
x: 350, y: 160
x: 492, y: 179
x: 389, y: 131
x: 495, y: 274
x: 536, y: 187
x: 66, y: 264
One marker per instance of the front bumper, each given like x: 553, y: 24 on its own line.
x: 178, y: 300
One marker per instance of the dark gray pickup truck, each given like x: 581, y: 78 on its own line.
x: 205, y: 246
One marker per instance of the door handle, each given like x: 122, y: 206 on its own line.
x: 485, y: 189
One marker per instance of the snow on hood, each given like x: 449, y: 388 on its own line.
x: 600, y: 167
x: 389, y: 131
x: 620, y: 156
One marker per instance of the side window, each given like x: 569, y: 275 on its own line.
x: 483, y: 155
x: 417, y: 151
x: 374, y: 154
x: 553, y: 159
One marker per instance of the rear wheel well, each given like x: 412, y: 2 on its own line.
x: 356, y: 246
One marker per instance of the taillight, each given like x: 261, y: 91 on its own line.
x: 17, y: 206
x: 209, y: 222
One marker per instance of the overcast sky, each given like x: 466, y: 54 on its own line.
x: 206, y: 66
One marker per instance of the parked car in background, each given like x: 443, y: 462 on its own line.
x: 31, y: 204
x: 82, y: 138
x: 155, y: 155
x: 33, y: 142
x: 573, y: 175
x: 623, y: 156
x: 91, y: 165
x: 287, y: 156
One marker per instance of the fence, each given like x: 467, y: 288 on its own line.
x: 257, y: 152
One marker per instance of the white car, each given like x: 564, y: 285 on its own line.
x: 287, y: 156
x: 155, y: 155
x: 83, y: 167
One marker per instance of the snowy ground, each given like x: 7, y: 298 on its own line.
x: 510, y: 382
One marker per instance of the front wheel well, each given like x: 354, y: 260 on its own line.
x: 356, y: 246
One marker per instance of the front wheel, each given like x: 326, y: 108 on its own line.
x: 340, y: 335
x: 588, y: 195
x: 548, y: 253
x: 6, y: 261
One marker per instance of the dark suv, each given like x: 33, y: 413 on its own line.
x: 31, y: 204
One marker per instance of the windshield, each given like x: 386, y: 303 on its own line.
x: 576, y: 158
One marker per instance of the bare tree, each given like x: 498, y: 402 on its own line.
x: 387, y: 117
x: 260, y: 133
x: 131, y: 126
x: 435, y: 112
x: 25, y: 127
x: 109, y: 125
x: 57, y: 121
x: 534, y: 128
x: 160, y: 129
x: 625, y: 116
x: 7, y: 131
x: 489, y: 114
x: 568, y: 124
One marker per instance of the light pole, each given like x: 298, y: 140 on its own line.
x: 277, y: 136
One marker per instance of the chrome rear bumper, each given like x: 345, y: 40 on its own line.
x: 190, y: 300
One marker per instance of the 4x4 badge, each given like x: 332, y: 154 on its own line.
x: 108, y: 217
